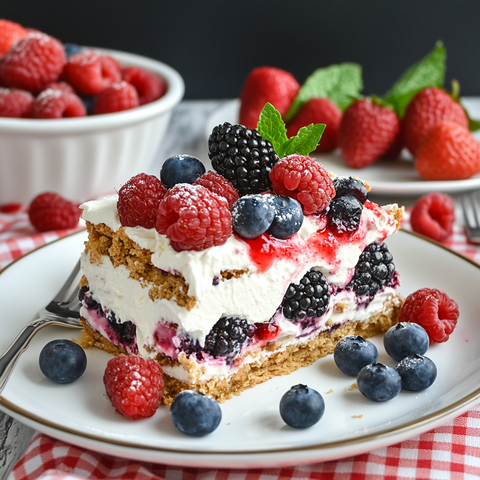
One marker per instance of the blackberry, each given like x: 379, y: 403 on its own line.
x: 82, y: 291
x: 307, y: 299
x: 242, y: 156
x: 344, y: 214
x: 227, y: 336
x: 126, y: 331
x: 374, y: 269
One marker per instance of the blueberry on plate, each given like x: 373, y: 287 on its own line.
x: 417, y: 372
x: 62, y: 361
x: 252, y: 215
x: 350, y: 186
x: 405, y: 339
x: 378, y: 382
x: 193, y: 413
x: 301, y: 407
x: 352, y: 353
x: 181, y: 169
x: 288, y: 217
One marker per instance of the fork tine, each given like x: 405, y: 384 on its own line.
x: 471, y: 213
x: 69, y: 289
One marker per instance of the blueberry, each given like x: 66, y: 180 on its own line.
x: 350, y: 186
x: 62, y: 361
x: 301, y: 407
x: 252, y: 215
x: 344, y: 214
x: 288, y: 217
x: 405, y: 339
x: 378, y: 382
x: 181, y: 169
x: 71, y: 49
x: 195, y: 414
x: 89, y: 102
x: 417, y: 372
x: 352, y: 353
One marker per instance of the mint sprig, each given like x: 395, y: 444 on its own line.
x: 340, y: 83
x: 272, y: 128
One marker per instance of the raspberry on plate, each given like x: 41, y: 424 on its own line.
x: 117, y: 97
x: 448, y: 152
x: 15, y: 103
x: 57, y: 103
x: 32, y: 63
x: 148, y: 86
x: 50, y: 211
x: 134, y: 385
x: 193, y: 218
x: 266, y: 84
x: 90, y: 72
x: 305, y: 180
x: 433, y: 215
x: 318, y: 110
x: 218, y: 184
x: 10, y: 32
x: 432, y: 309
x: 367, y: 132
x: 138, y: 201
x: 428, y: 108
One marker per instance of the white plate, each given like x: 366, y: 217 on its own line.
x: 251, y: 434
x: 385, y: 176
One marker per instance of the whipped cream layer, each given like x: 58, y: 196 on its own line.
x: 271, y: 265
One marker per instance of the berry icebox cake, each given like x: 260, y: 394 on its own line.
x: 232, y: 277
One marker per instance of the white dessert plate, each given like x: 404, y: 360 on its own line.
x: 386, y: 176
x: 252, y: 433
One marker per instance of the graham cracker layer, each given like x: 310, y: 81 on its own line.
x: 279, y: 361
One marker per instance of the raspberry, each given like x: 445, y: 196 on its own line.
x: 10, y: 208
x: 64, y: 86
x: 218, y: 184
x: 148, y: 86
x: 319, y: 110
x: 15, y: 103
x: 32, y: 63
x: 305, y: 180
x: 367, y: 132
x: 117, y: 97
x: 266, y: 84
x: 138, y: 201
x: 56, y: 103
x: 10, y: 32
x: 134, y: 385
x: 193, y: 218
x: 50, y: 211
x: 433, y: 310
x: 90, y: 72
x: 428, y: 108
x: 433, y: 215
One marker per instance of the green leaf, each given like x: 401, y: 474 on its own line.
x: 428, y: 72
x: 306, y: 140
x: 340, y: 83
x: 272, y: 128
x: 473, y: 125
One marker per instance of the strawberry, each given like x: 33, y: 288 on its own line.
x: 367, y: 131
x: 449, y: 152
x: 266, y: 84
x: 428, y: 108
x: 318, y: 110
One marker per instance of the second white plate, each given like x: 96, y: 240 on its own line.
x: 385, y: 176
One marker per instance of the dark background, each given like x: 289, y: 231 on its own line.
x: 215, y: 44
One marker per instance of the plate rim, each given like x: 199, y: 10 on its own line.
x: 363, y: 442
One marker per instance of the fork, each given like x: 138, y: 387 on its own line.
x: 63, y: 310
x: 471, y: 213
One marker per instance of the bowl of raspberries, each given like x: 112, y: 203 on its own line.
x: 74, y: 120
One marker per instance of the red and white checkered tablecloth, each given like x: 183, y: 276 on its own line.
x: 451, y: 451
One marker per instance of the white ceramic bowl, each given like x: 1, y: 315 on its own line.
x: 83, y: 158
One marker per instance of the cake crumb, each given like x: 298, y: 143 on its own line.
x: 352, y: 387
x: 357, y: 416
x: 330, y: 391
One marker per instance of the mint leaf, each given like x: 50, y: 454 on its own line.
x: 340, y: 83
x: 428, y: 72
x: 272, y: 128
x: 306, y: 140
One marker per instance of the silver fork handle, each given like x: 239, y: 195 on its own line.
x: 10, y: 358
